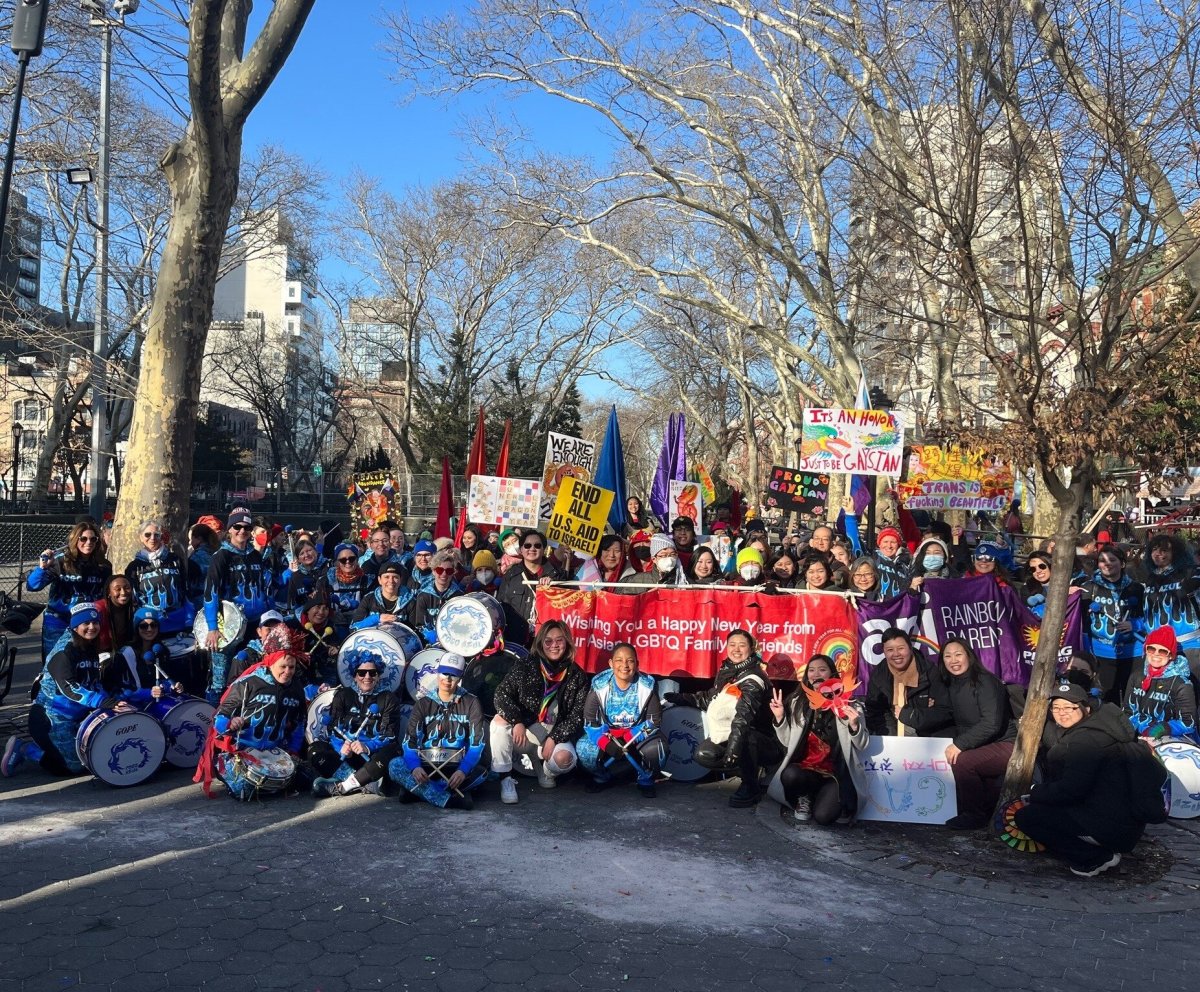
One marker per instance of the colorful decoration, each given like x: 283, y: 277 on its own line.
x: 1011, y: 834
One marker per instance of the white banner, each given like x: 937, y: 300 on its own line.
x: 908, y: 780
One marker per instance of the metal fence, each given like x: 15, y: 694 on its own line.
x: 20, y: 545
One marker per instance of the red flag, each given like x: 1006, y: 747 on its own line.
x: 476, y: 465
x: 735, y: 510
x: 445, y: 501
x: 502, y: 458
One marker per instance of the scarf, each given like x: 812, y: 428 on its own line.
x: 1150, y: 675
x: 551, y: 681
x: 901, y: 683
x: 349, y: 575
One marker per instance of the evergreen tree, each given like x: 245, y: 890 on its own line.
x: 445, y: 405
x: 216, y: 453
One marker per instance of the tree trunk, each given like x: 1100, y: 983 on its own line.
x: 1070, y: 501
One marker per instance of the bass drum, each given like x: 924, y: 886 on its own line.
x: 185, y: 721
x: 316, y: 726
x: 1182, y: 760
x: 120, y: 748
x: 484, y: 673
x: 470, y: 624
x: 682, y: 732
x: 421, y: 675
x: 231, y: 625
x: 391, y: 645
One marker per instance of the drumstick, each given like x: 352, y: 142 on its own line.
x: 371, y: 711
x: 437, y: 769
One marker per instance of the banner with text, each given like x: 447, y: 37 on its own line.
x: 955, y: 479
x: 682, y: 632
x: 579, y: 515
x: 566, y: 458
x: 802, y: 492
x: 504, y: 502
x: 862, y: 442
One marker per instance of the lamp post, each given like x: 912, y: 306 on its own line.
x: 28, y: 33
x: 879, y: 401
x: 17, y: 431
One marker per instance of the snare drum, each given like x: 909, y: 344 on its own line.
x: 251, y: 770
x: 484, y: 673
x: 316, y: 727
x: 390, y: 645
x: 420, y: 677
x: 183, y: 664
x: 1182, y: 759
x: 120, y: 748
x: 231, y: 625
x: 185, y: 722
x: 469, y: 624
x: 682, y: 732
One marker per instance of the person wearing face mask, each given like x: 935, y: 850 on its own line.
x: 510, y: 547
x: 931, y: 561
x: 483, y: 573
x: 664, y: 568
x: 1116, y: 624
x: 159, y: 580
x: 749, y: 565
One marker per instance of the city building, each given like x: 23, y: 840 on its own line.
x: 21, y: 260
x: 371, y: 337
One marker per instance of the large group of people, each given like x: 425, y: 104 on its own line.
x: 253, y: 618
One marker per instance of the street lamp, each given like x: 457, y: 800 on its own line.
x: 17, y: 431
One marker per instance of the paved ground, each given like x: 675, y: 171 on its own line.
x: 157, y: 887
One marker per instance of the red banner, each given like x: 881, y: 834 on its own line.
x: 682, y: 632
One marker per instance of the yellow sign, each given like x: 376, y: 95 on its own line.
x: 579, y: 515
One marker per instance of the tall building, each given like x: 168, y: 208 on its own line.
x: 371, y: 337
x: 21, y: 260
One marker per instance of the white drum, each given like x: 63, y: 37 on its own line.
x: 420, y: 677
x: 120, y: 748
x: 663, y: 686
x: 682, y: 733
x: 469, y: 624
x: 185, y: 721
x: 316, y: 727
x: 231, y: 625
x: 1182, y: 759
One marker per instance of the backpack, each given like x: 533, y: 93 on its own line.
x: 1148, y: 779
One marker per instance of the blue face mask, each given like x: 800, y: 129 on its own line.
x: 933, y: 562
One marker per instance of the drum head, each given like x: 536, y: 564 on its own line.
x: 378, y: 645
x: 1182, y: 760
x: 663, y: 686
x: 469, y: 624
x: 682, y: 731
x: 186, y: 724
x: 420, y: 677
x: 121, y: 748
x: 315, y: 727
x: 180, y: 646
x: 270, y: 770
x: 484, y: 673
x: 231, y: 624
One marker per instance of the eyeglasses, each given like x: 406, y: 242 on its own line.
x: 1064, y: 708
x: 533, y: 547
x: 240, y: 527
x: 152, y: 533
x: 346, y: 561
x: 87, y: 539
x: 145, y: 624
x: 442, y: 570
x: 366, y: 673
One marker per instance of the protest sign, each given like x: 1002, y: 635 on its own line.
x: 504, y: 502
x: 566, y: 457
x: 864, y: 442
x: 908, y: 780
x: 686, y: 500
x: 955, y: 479
x: 791, y: 490
x: 579, y: 515
x: 373, y: 498
x: 682, y: 632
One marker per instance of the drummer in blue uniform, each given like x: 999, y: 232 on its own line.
x: 159, y: 580
x: 77, y: 574
x: 386, y: 603
x: 72, y: 686
x: 423, y: 611
x: 236, y: 574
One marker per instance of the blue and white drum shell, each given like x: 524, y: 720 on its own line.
x: 254, y: 769
x: 1182, y: 760
x: 391, y: 645
x: 231, y: 625
x: 316, y: 724
x: 469, y: 624
x: 682, y: 732
x: 420, y: 677
x: 120, y: 749
x: 185, y: 722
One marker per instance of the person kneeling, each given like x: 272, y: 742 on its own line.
x: 443, y: 745
x: 621, y: 721
x: 362, y: 736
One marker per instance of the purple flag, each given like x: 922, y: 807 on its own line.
x: 873, y: 620
x: 672, y: 466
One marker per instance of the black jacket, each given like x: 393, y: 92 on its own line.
x: 519, y: 697
x: 517, y: 598
x: 978, y: 710
x: 1085, y: 778
x: 753, y: 689
x: 881, y: 720
x: 351, y: 719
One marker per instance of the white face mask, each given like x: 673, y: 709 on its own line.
x: 750, y: 572
x: 666, y: 564
x: 512, y: 548
x: 485, y: 576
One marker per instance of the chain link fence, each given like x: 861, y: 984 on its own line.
x: 20, y: 545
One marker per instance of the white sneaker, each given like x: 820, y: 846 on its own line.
x: 545, y: 779
x: 508, y: 790
x: 803, y: 809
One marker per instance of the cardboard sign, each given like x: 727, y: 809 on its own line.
x: 579, y: 515
x: 908, y: 780
x: 802, y: 492
x: 862, y: 442
x: 687, y: 500
x: 566, y: 458
x: 955, y: 479
x: 504, y: 502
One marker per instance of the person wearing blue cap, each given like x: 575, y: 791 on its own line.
x: 73, y: 683
x: 422, y: 564
x: 442, y: 759
x: 347, y: 585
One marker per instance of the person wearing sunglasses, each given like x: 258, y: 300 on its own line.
x: 149, y: 658
x: 443, y: 744
x: 422, y: 612
x: 347, y: 585
x: 75, y: 574
x: 238, y: 574
x: 1036, y: 584
x: 517, y: 592
x: 159, y: 579
x: 363, y: 734
x: 1116, y: 621
x: 73, y: 683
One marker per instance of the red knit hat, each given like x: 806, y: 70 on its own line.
x: 1164, y: 637
x: 890, y: 532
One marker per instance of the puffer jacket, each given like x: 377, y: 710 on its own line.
x: 736, y: 703
x: 519, y: 697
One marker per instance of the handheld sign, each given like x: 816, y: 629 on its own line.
x: 579, y: 515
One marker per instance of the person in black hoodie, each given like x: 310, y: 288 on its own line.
x: 984, y: 730
x: 363, y: 735
x: 903, y: 679
x: 1082, y: 811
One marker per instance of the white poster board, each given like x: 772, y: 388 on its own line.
x: 908, y: 780
x: 503, y: 502
x: 686, y: 499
